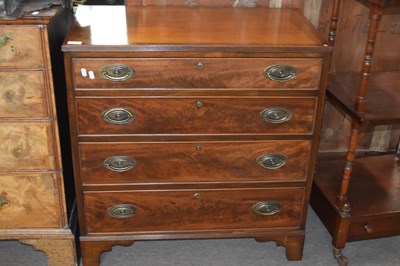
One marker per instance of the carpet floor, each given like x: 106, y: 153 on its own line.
x: 226, y: 252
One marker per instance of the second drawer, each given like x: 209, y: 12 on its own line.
x: 183, y: 162
x: 222, y: 115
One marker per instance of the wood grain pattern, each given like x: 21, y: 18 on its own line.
x: 184, y: 73
x: 22, y: 95
x: 33, y: 201
x: 178, y: 210
x: 24, y: 49
x: 219, y: 115
x: 140, y: 29
x: 26, y: 146
x: 209, y: 162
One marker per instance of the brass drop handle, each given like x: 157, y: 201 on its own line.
x: 5, y: 38
x: 267, y: 208
x: 122, y: 211
x: 276, y: 115
x: 119, y: 163
x: 3, y: 201
x: 117, y: 72
x: 118, y: 115
x: 271, y: 161
x: 280, y: 73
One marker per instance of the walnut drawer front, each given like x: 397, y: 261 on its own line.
x: 175, y: 210
x: 196, y: 73
x: 21, y: 46
x: 177, y: 162
x: 264, y: 115
x: 29, y: 200
x: 22, y: 94
x: 26, y: 146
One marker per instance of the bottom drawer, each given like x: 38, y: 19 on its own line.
x: 374, y: 227
x: 142, y: 211
x: 29, y: 201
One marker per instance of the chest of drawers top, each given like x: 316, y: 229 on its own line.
x: 163, y: 29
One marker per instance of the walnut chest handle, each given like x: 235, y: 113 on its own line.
x: 5, y: 38
x: 3, y: 201
x: 280, y: 73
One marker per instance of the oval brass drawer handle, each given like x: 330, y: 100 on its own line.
x: 271, y: 161
x: 267, y: 207
x: 3, y: 201
x: 5, y: 38
x: 276, y: 115
x: 119, y: 163
x: 117, y: 72
x: 280, y: 73
x: 118, y: 115
x: 122, y: 211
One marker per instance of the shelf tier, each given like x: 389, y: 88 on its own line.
x: 392, y: 5
x: 374, y: 197
x: 383, y: 97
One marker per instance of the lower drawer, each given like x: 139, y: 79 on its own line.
x: 144, y: 211
x: 166, y: 162
x: 374, y: 227
x: 26, y: 146
x: 29, y: 201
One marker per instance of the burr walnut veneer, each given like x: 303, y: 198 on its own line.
x: 193, y: 123
x: 33, y: 207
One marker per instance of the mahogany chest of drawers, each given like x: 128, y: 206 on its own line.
x: 193, y: 123
x: 34, y: 208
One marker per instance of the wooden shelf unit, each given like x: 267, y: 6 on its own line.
x: 359, y: 198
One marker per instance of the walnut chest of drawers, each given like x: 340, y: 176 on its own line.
x: 33, y: 206
x: 193, y: 123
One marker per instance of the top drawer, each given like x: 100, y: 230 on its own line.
x: 196, y: 73
x: 20, y: 46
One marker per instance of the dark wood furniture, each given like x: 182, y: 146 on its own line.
x: 359, y: 198
x: 193, y: 123
x: 33, y: 205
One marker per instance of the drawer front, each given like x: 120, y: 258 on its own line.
x: 26, y: 146
x: 180, y: 162
x: 22, y: 95
x: 20, y: 46
x: 29, y: 201
x: 263, y: 115
x: 175, y: 210
x: 197, y: 73
x: 374, y: 227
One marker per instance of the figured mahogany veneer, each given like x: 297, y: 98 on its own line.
x: 198, y: 73
x: 194, y: 123
x: 195, y: 115
x: 194, y: 162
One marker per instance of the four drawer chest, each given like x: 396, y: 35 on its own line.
x: 193, y: 123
